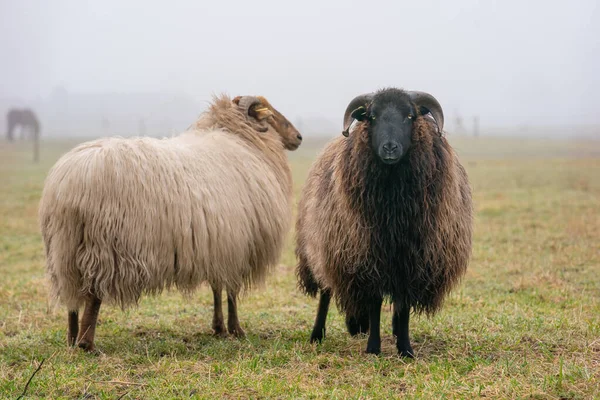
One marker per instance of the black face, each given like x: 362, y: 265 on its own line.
x: 390, y: 127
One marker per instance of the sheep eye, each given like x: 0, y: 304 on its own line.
x: 372, y: 117
x: 410, y: 116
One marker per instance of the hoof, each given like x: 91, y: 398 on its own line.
x: 317, y: 336
x: 238, y: 332
x: 405, y: 350
x: 406, y: 353
x: 220, y: 334
x: 88, y: 347
x: 373, y: 350
x: 219, y: 330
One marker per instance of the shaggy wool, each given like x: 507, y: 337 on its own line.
x: 400, y: 232
x: 125, y: 216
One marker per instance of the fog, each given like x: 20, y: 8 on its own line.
x: 131, y: 67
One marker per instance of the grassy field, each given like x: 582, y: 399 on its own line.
x: 525, y: 322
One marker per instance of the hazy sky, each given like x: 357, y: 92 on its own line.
x: 509, y: 61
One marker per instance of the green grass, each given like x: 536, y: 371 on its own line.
x: 524, y: 323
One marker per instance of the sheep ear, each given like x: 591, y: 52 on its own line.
x: 359, y: 114
x: 259, y: 112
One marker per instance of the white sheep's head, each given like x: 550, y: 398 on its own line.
x: 260, y: 109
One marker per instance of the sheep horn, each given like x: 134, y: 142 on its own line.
x: 245, y: 102
x: 422, y: 99
x: 358, y: 101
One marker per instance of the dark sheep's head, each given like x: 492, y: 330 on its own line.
x: 258, y: 108
x: 389, y: 115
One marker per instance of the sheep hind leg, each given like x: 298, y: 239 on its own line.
x: 318, y: 332
x: 218, y: 324
x: 358, y: 324
x: 400, y: 323
x: 374, y: 341
x: 73, y: 325
x: 85, y: 340
x: 233, y: 323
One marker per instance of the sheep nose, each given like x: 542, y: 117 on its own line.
x: 390, y: 147
x: 299, y: 136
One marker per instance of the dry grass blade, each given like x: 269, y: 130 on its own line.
x: 122, y: 383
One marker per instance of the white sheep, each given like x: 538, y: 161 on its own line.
x: 126, y: 216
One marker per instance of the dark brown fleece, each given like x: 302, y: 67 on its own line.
x: 402, y: 232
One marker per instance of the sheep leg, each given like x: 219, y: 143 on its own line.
x: 73, y: 319
x: 88, y: 323
x: 233, y: 323
x: 358, y: 324
x: 318, y: 332
x: 218, y: 323
x: 400, y: 322
x: 374, y: 341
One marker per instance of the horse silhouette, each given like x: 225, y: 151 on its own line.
x: 27, y: 121
x: 29, y: 124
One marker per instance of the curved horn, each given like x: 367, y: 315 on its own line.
x: 358, y: 101
x: 426, y: 100
x: 245, y: 102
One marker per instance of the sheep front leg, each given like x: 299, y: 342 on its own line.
x: 88, y: 323
x: 218, y: 324
x: 374, y: 342
x: 318, y: 332
x: 233, y: 323
x: 400, y: 322
x: 73, y: 322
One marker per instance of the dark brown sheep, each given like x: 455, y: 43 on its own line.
x: 385, y: 213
